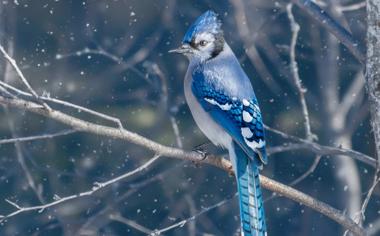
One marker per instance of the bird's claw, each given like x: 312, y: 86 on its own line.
x: 203, y: 153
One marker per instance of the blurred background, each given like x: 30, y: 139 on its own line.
x: 111, y: 56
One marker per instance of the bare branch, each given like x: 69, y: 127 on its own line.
x: 86, y: 51
x: 36, y: 188
x: 192, y: 218
x: 375, y: 182
x: 308, y: 172
x: 294, y: 26
x: 352, y: 7
x: 95, y: 222
x: 307, y: 200
x: 130, y: 223
x: 162, y: 150
x: 22, y: 77
x: 326, y: 21
x: 176, y: 131
x: 320, y: 149
x: 97, y: 186
x: 66, y: 104
x: 38, y: 137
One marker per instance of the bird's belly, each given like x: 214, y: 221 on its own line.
x: 206, y: 124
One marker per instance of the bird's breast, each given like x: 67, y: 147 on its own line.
x: 205, y: 122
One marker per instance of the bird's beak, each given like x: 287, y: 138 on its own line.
x: 183, y: 49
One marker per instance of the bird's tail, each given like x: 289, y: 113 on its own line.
x: 252, y: 216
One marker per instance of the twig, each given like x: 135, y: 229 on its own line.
x: 294, y: 26
x: 3, y: 90
x: 97, y: 186
x: 352, y: 7
x: 36, y: 188
x: 96, y: 221
x: 22, y: 77
x: 38, y: 137
x: 162, y: 150
x: 192, y: 218
x: 131, y: 223
x: 376, y: 180
x: 66, y: 104
x: 86, y: 51
x: 360, y: 216
x: 323, y: 150
x: 99, y: 51
x: 176, y: 131
x: 308, y: 172
x: 326, y: 21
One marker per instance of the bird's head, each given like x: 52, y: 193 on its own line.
x: 204, y: 39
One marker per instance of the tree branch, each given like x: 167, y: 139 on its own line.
x: 22, y: 77
x: 58, y: 200
x: 38, y: 137
x: 326, y: 21
x: 320, y: 149
x: 162, y: 150
x: 294, y: 26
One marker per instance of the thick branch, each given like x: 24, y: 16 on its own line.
x: 162, y: 150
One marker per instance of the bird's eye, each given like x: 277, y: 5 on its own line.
x: 203, y: 43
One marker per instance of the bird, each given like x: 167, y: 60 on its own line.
x: 225, y: 108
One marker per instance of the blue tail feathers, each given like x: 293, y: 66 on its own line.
x: 250, y: 196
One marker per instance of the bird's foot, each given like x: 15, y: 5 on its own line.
x: 199, y: 150
x: 203, y: 153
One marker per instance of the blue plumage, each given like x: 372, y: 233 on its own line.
x: 250, y: 195
x: 212, y: 98
x: 207, y: 22
x: 224, y: 106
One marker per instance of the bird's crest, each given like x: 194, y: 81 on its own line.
x: 207, y: 22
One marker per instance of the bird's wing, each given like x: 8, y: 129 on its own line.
x: 241, y: 118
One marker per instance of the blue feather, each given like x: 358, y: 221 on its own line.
x: 250, y: 195
x: 232, y: 119
x: 207, y: 22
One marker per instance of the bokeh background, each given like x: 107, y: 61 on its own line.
x: 111, y: 56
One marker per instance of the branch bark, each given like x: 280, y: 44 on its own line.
x: 373, y: 67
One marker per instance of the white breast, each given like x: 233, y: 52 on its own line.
x: 206, y: 124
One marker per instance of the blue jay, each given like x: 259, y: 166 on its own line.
x: 224, y: 106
